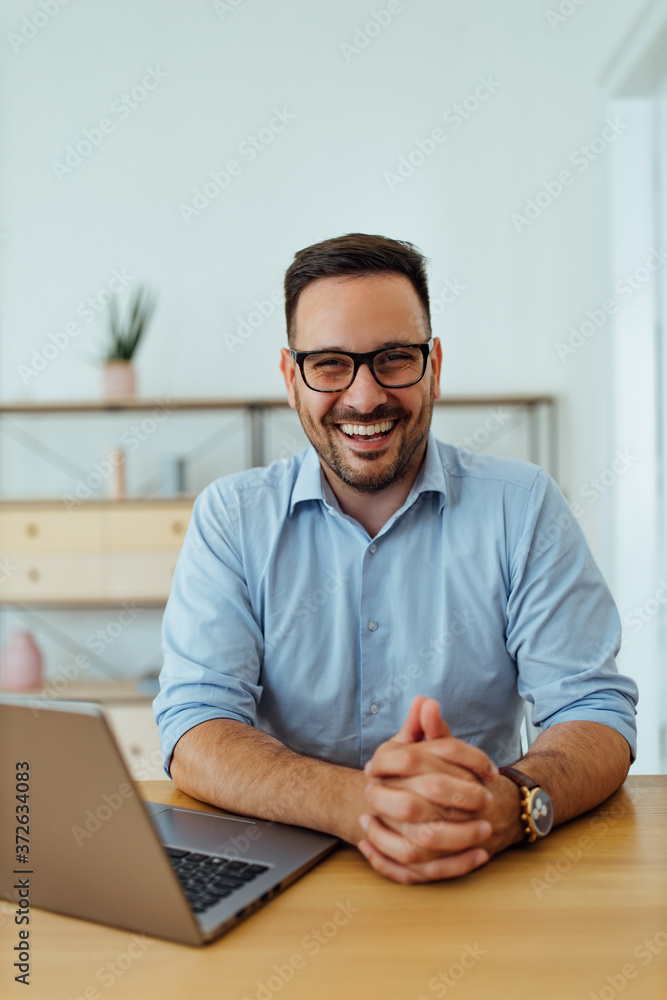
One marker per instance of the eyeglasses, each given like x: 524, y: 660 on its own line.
x: 393, y: 367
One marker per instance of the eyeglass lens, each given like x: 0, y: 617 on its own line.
x: 395, y: 367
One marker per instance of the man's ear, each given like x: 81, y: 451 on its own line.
x: 436, y: 362
x: 288, y: 368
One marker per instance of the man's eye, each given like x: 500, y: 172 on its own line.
x: 331, y: 363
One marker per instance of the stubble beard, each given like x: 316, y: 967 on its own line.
x: 322, y: 436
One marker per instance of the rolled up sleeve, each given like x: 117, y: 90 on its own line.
x: 211, y: 641
x: 563, y: 628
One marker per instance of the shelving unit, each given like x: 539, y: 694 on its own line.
x: 102, y: 552
x: 540, y: 411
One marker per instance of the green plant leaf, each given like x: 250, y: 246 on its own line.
x: 124, y: 337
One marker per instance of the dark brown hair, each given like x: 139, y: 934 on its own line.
x: 355, y: 254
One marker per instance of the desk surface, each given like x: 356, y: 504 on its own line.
x: 583, y: 914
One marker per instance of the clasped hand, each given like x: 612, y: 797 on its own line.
x: 429, y: 807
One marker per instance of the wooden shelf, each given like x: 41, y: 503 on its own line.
x: 203, y: 403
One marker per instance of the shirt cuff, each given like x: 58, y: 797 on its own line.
x: 170, y: 731
x: 608, y: 718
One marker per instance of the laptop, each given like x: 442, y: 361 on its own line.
x: 94, y: 849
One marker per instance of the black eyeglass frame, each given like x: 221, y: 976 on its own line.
x: 363, y: 359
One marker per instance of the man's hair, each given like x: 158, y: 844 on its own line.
x: 354, y: 255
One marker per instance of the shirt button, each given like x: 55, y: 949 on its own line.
x: 372, y: 626
x: 331, y: 510
x: 374, y: 709
x: 373, y: 548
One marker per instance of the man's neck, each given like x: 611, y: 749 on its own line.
x: 373, y: 510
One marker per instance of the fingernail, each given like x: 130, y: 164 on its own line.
x: 494, y: 770
x: 481, y: 857
x: 488, y: 798
x: 368, y: 767
x: 485, y: 829
x: 364, y: 821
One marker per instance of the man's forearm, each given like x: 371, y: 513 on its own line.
x: 237, y: 767
x: 579, y: 763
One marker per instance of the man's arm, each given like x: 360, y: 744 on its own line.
x: 579, y: 763
x: 240, y: 768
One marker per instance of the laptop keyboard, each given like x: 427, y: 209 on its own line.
x: 207, y: 879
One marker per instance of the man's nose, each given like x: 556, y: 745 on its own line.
x: 365, y: 394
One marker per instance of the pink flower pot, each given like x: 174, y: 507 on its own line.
x: 119, y: 379
x: 21, y: 664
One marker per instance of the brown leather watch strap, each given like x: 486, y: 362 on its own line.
x: 519, y: 778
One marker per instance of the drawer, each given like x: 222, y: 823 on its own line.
x: 52, y: 578
x: 143, y: 575
x: 50, y: 529
x: 147, y: 526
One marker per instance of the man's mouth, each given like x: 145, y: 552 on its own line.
x: 368, y: 432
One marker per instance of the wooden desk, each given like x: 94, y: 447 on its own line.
x: 556, y: 921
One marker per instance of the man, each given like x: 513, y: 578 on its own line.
x: 343, y: 609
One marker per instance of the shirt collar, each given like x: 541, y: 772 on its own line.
x: 310, y: 481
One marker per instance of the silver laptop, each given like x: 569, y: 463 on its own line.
x: 94, y: 849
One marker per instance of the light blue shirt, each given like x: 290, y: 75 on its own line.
x: 479, y: 592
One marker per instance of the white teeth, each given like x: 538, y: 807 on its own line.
x: 369, y: 430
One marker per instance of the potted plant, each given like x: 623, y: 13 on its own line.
x: 123, y: 341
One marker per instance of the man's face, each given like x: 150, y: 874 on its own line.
x: 362, y: 314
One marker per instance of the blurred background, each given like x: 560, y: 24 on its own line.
x: 187, y: 149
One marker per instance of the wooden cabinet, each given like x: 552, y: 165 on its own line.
x: 93, y: 554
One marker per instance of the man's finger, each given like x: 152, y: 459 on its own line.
x: 424, y: 842
x: 432, y: 723
x: 427, y: 796
x: 411, y: 731
x: 403, y: 760
x: 453, y: 866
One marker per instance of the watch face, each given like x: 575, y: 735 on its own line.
x: 541, y: 812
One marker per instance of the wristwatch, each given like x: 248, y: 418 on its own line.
x: 537, y: 811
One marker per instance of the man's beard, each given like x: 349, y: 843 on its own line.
x: 323, y: 439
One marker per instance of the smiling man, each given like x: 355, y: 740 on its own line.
x: 353, y: 633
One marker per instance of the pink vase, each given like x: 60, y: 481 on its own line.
x: 119, y: 379
x: 21, y: 664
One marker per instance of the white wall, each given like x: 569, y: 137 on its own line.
x: 354, y: 116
